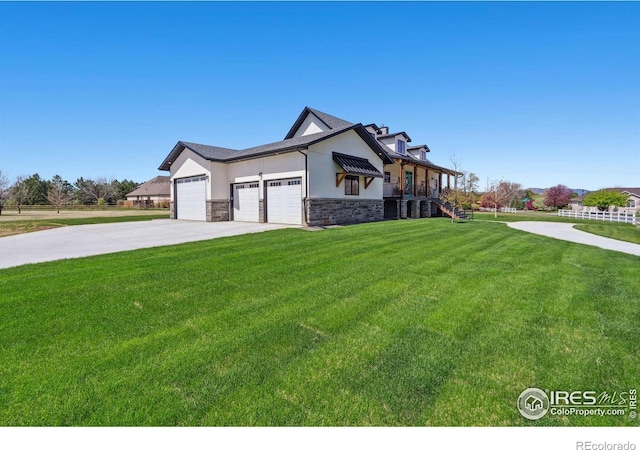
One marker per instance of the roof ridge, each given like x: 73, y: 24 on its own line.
x: 330, y: 121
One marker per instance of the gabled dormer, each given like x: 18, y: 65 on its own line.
x: 419, y: 152
x: 373, y: 130
x: 396, y: 142
x: 312, y: 121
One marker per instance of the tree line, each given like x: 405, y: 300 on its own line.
x: 509, y: 194
x: 465, y: 193
x: 34, y: 190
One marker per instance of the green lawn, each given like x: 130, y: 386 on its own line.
x: 8, y: 228
x: 621, y: 231
x: 415, y: 322
x: 520, y: 216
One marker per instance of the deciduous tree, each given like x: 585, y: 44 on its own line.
x: 557, y: 196
x: 93, y: 190
x: 20, y: 192
x: 4, y: 189
x: 500, y: 193
x: 59, y: 192
x: 470, y: 183
x: 453, y: 196
x: 604, y: 199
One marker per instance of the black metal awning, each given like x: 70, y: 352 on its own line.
x: 353, y: 165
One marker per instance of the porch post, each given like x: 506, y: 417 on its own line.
x: 427, y: 191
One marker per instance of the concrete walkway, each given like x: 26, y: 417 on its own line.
x: 566, y: 232
x: 87, y: 240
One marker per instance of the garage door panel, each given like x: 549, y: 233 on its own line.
x: 284, y: 201
x: 191, y: 198
x: 246, y: 202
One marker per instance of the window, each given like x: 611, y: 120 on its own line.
x: 631, y: 204
x: 372, y: 135
x: 387, y: 177
x: 423, y: 155
x: 400, y: 148
x: 352, y: 185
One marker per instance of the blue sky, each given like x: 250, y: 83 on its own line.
x: 536, y: 93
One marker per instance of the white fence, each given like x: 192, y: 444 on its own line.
x: 502, y: 210
x: 604, y: 216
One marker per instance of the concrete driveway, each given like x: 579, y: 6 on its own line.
x: 88, y: 240
x: 566, y: 232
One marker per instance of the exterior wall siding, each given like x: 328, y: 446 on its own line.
x: 311, y: 125
x: 322, y: 168
x: 330, y: 211
x: 188, y: 164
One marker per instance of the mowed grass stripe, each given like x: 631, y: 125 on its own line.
x: 397, y: 323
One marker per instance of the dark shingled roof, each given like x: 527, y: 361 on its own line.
x: 390, y: 135
x: 333, y: 122
x: 630, y: 190
x: 156, y: 186
x: 297, y: 143
x: 410, y: 159
x: 419, y: 147
x: 210, y: 152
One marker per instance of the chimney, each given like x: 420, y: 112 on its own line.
x: 384, y: 129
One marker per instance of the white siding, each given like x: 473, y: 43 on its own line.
x: 219, y: 186
x: 189, y: 164
x: 287, y: 165
x: 322, y: 168
x: 311, y: 125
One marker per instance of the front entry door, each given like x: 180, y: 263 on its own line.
x: 408, y: 184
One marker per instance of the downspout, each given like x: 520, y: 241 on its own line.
x: 306, y: 186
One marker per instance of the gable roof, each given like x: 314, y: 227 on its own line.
x: 392, y: 135
x: 155, y: 186
x: 629, y: 190
x: 419, y: 162
x: 333, y: 122
x: 419, y: 147
x: 222, y: 154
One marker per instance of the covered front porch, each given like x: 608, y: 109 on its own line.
x: 411, y: 190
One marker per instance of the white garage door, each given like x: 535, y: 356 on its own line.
x: 245, y: 202
x: 191, y: 198
x: 284, y: 201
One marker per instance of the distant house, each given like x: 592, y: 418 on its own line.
x: 153, y: 193
x: 633, y: 203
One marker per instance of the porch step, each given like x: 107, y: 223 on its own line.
x: 447, y: 209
